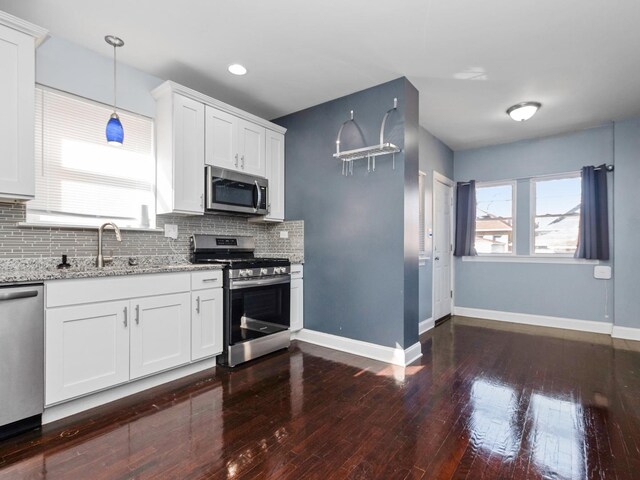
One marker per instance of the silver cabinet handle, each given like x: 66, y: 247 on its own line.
x: 137, y: 314
x: 209, y: 280
x: 198, y: 304
x: 126, y: 312
x: 236, y: 160
x: 17, y: 295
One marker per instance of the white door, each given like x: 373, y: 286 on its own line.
x: 206, y: 323
x: 251, y: 147
x: 87, y: 349
x: 17, y: 96
x: 275, y: 174
x: 221, y: 139
x: 160, y: 333
x: 297, y: 304
x: 188, y: 117
x: 442, y: 246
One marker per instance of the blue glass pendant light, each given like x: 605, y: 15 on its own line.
x: 115, y: 132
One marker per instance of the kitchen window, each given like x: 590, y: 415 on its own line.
x: 556, y: 214
x: 80, y: 179
x: 495, y: 207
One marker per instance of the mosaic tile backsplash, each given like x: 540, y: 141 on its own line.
x: 35, y: 242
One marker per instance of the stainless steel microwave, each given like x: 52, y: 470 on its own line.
x: 237, y: 193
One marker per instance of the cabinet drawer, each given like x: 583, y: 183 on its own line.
x: 207, y: 279
x: 91, y: 290
x: 297, y: 271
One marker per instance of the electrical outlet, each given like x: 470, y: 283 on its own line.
x: 284, y: 234
x: 171, y: 231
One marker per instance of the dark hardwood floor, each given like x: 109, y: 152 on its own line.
x: 486, y: 401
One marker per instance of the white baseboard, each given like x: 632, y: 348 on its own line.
x: 538, y: 320
x: 395, y: 356
x: 426, y: 325
x: 627, y: 333
x: 62, y: 410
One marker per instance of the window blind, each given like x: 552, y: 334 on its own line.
x: 80, y: 179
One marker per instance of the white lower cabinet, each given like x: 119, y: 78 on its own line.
x: 95, y: 346
x: 206, y: 323
x: 297, y: 304
x: 87, y: 349
x: 160, y: 333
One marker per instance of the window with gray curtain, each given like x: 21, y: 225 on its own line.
x: 593, y: 237
x: 465, y: 219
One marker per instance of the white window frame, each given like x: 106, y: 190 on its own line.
x: 82, y: 226
x: 514, y: 194
x: 532, y: 215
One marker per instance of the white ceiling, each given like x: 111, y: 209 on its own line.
x: 469, y: 59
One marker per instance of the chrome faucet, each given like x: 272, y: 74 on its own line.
x: 102, y: 260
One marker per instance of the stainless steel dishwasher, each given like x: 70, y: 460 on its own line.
x: 21, y: 358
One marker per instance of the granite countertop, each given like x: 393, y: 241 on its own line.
x: 38, y: 270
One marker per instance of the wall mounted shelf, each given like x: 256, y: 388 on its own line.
x: 371, y: 152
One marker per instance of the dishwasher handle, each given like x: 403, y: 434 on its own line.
x: 17, y: 295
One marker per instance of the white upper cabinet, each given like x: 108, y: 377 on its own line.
x: 180, y: 155
x: 275, y: 174
x: 221, y: 139
x: 17, y: 115
x: 251, y: 148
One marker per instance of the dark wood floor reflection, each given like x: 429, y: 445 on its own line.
x: 486, y: 401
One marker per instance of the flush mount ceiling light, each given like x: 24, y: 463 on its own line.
x: 523, y: 111
x: 237, y: 69
x: 115, y: 132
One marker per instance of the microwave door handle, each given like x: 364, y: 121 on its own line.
x: 257, y: 197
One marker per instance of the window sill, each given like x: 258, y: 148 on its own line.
x: 83, y: 227
x: 530, y: 259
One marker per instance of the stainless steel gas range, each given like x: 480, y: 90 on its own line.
x: 257, y: 294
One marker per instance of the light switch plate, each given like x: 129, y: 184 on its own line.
x: 602, y: 272
x: 284, y: 234
x: 171, y: 231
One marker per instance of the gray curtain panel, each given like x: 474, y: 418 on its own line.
x: 593, y: 239
x: 465, y: 219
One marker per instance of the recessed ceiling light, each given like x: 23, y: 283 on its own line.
x: 237, y: 69
x: 523, y: 111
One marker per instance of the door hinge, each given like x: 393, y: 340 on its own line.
x: 451, y: 293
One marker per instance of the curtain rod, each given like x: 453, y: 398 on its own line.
x: 608, y: 167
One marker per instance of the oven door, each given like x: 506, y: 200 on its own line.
x: 258, y: 307
x: 229, y: 191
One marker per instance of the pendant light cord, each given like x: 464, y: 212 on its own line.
x: 115, y: 89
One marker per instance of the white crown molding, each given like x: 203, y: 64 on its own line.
x: 537, y: 320
x: 38, y: 33
x: 626, y: 333
x: 395, y: 356
x: 426, y: 325
x: 173, y: 87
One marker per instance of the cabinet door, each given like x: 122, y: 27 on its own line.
x: 275, y: 174
x: 87, y: 349
x: 188, y: 168
x: 206, y: 323
x: 221, y: 139
x: 251, y: 138
x: 160, y: 333
x: 297, y: 305
x: 17, y: 96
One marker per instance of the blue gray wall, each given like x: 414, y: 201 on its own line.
x: 627, y: 223
x: 361, y: 275
x: 435, y: 156
x: 560, y: 290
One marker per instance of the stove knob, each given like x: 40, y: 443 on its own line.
x: 248, y: 272
x: 264, y: 271
x: 244, y: 273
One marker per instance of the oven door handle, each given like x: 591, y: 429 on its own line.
x: 259, y: 282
